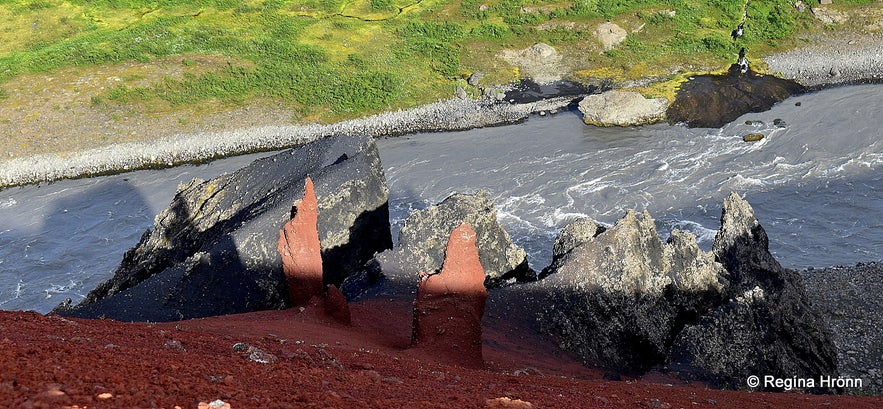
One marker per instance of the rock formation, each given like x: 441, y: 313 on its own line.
x: 450, y: 304
x: 622, y: 298
x: 610, y: 35
x: 767, y: 326
x: 711, y: 101
x: 620, y: 295
x: 622, y: 108
x: 301, y: 254
x: 300, y: 249
x: 214, y: 250
x: 540, y: 62
x: 422, y: 238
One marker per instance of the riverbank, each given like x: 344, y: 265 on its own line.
x: 854, y: 59
x: 452, y: 114
x: 829, y: 61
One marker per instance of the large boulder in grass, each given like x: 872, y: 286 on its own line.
x: 214, y: 250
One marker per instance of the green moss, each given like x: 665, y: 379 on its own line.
x: 334, y: 59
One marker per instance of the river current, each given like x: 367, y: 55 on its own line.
x: 815, y: 183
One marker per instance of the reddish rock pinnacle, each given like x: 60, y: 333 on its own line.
x: 449, y: 306
x: 301, y: 251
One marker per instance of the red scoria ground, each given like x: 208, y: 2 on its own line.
x: 55, y: 362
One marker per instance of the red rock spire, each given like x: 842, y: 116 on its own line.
x: 450, y: 304
x: 301, y: 251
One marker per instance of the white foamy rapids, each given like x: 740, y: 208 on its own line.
x: 704, y: 235
x: 550, y: 172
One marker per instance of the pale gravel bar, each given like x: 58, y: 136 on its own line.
x: 832, y: 61
x: 452, y: 114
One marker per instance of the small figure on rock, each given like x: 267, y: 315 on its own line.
x: 739, y: 31
x: 742, y: 62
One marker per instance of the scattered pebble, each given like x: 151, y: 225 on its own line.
x: 216, y: 404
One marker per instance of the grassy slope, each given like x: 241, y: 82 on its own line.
x: 329, y: 60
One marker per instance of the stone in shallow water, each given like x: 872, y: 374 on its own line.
x: 622, y: 108
x: 753, y: 137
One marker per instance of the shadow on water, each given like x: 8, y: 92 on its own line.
x: 55, y: 229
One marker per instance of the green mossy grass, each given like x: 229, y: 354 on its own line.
x: 339, y: 59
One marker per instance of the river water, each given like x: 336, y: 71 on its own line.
x: 815, y: 183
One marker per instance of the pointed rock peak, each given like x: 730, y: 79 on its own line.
x: 308, y: 203
x: 461, y: 272
x: 738, y: 224
x: 300, y: 249
x: 643, y: 222
x: 738, y: 215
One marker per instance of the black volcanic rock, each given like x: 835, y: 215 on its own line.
x: 623, y: 299
x: 712, y: 101
x: 214, y: 251
x: 619, y: 296
x: 767, y: 327
x: 421, y: 246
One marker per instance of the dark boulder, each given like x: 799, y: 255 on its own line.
x: 767, y: 326
x: 423, y: 237
x: 712, y: 101
x: 214, y: 250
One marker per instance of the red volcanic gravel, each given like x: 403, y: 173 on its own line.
x: 298, y: 358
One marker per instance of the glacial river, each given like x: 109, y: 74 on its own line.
x: 815, y: 183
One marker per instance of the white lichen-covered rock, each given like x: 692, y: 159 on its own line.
x: 610, y: 35
x: 422, y: 241
x: 621, y: 298
x: 540, y: 62
x: 622, y: 108
x: 630, y: 259
x: 625, y: 283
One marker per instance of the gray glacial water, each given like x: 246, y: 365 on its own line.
x: 815, y: 184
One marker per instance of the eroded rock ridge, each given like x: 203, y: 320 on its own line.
x: 623, y: 299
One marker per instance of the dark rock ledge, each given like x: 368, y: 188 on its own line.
x: 213, y: 251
